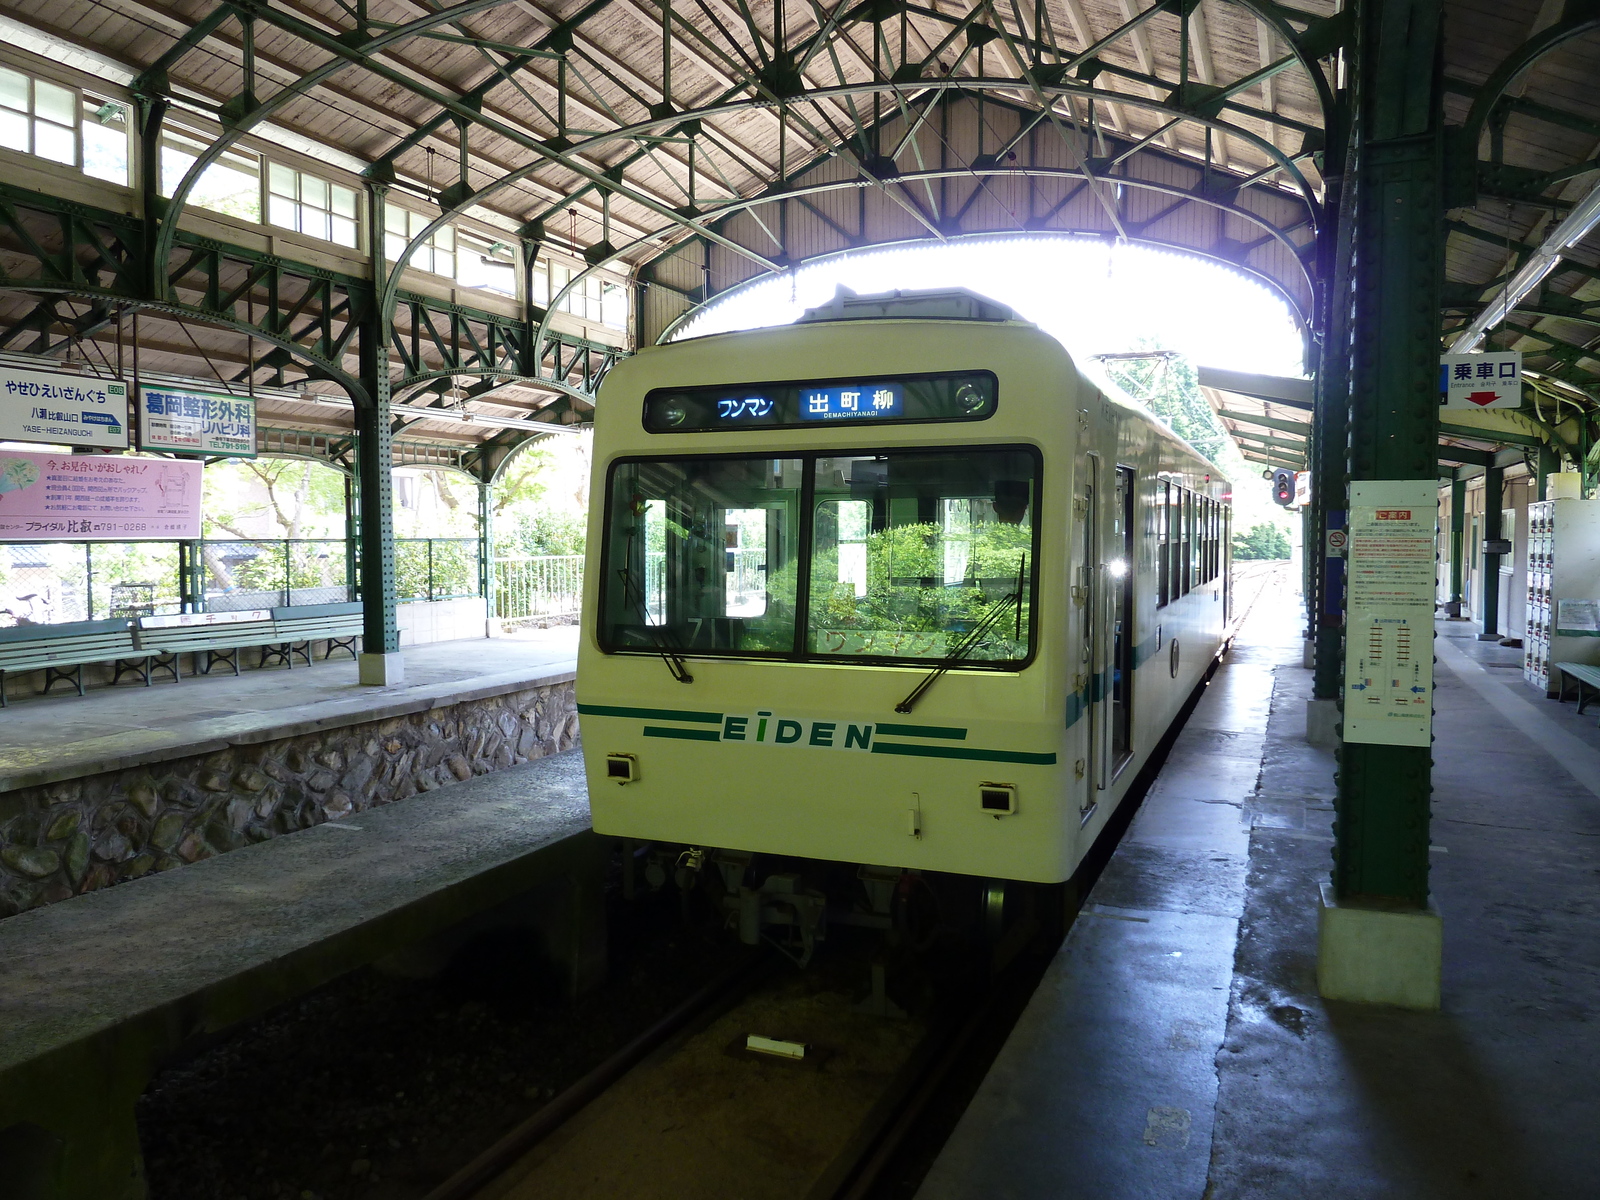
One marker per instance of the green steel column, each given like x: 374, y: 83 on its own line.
x: 486, y: 547
x: 1549, y: 463
x: 1330, y: 419
x: 1493, y: 488
x: 1458, y: 539
x: 1381, y: 851
x: 374, y: 458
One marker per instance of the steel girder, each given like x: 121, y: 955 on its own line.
x: 785, y: 78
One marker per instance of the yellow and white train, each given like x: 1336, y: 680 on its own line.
x: 895, y: 585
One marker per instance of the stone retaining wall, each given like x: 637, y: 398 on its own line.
x: 59, y: 839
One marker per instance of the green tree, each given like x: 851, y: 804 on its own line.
x: 1262, y: 542
x: 1166, y: 383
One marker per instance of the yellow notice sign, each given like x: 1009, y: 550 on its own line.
x: 1388, y: 663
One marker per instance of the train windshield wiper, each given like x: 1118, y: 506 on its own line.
x: 973, y: 639
x: 658, y: 635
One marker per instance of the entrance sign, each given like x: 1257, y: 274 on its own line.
x: 197, y: 423
x: 63, y: 408
x: 97, y: 497
x: 1388, y: 658
x: 1491, y: 380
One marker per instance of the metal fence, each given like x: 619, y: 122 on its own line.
x: 51, y: 583
x: 544, y: 587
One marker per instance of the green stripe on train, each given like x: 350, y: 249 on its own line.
x: 924, y: 731
x: 655, y: 714
x: 1016, y: 756
x: 688, y: 735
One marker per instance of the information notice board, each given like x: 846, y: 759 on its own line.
x: 1388, y: 664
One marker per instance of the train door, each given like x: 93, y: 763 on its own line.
x: 1121, y: 571
x: 1091, y: 594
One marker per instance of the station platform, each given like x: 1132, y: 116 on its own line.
x: 46, y: 739
x: 1177, y: 1046
x: 100, y: 789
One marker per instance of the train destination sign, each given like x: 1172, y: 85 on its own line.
x: 968, y: 396
x: 63, y: 409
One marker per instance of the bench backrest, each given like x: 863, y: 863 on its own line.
x: 86, y: 640
x: 198, y: 637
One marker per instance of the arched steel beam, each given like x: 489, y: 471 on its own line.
x: 1272, y: 285
x: 345, y: 54
x: 966, y: 172
x: 1285, y: 163
x: 1519, y: 60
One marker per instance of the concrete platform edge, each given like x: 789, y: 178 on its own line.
x: 358, y: 711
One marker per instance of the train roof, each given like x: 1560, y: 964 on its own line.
x: 930, y: 304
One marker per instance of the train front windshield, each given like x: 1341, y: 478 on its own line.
x: 904, y: 555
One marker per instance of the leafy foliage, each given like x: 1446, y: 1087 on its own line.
x: 1170, y: 388
x: 1262, y: 541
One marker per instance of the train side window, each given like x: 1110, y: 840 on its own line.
x: 1163, y: 523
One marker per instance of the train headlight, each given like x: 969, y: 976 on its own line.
x: 970, y: 398
x: 1118, y: 568
x: 673, y: 412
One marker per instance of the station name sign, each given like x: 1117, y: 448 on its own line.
x: 62, y: 408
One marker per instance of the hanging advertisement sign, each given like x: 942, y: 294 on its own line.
x: 1388, y: 655
x: 99, y: 497
x: 63, y: 408
x: 197, y: 423
x: 1489, y: 380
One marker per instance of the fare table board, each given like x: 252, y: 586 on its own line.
x: 1388, y: 666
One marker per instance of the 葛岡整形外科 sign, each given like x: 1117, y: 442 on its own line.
x: 63, y: 409
x: 97, y: 497
x: 185, y: 422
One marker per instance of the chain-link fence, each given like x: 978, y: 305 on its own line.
x: 436, y: 568
x: 273, y: 573
x: 539, y: 589
x: 51, y: 583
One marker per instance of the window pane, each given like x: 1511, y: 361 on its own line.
x: 541, y: 283
x: 674, y: 526
x: 915, y: 551
x: 444, y: 263
x: 281, y: 211
x: 314, y: 221
x: 314, y: 191
x: 444, y: 237
x: 394, y: 220
x: 393, y: 246
x: 13, y: 89
x: 280, y: 180
x: 56, y: 104
x: 344, y: 232
x: 55, y: 142
x: 105, y: 140
x: 13, y: 130
x: 344, y: 202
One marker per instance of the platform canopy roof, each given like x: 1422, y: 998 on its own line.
x: 696, y: 145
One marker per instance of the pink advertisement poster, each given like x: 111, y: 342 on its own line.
x: 99, y: 497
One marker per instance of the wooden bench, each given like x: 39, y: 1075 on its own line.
x: 219, y: 636
x: 1584, y: 676
x: 62, y: 651
x: 102, y: 990
x: 295, y: 628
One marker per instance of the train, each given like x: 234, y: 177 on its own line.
x: 896, y: 590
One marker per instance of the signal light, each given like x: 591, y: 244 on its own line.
x: 1283, y: 486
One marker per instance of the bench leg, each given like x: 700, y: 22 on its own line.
x: 55, y: 675
x: 74, y: 1136
x: 1586, y: 693
x: 346, y: 643
x: 275, y: 654
x: 303, y: 649
x: 139, y: 666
